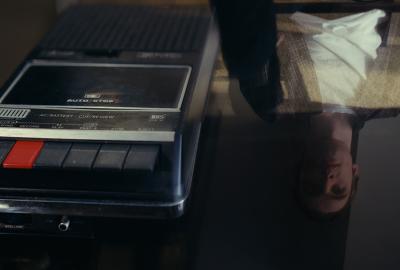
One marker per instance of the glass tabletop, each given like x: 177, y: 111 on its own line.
x: 297, y: 164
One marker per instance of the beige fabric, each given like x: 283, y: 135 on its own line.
x: 299, y: 80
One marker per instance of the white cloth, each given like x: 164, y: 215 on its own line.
x: 341, y: 50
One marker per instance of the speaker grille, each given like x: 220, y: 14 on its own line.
x: 129, y: 28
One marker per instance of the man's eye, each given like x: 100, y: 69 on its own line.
x: 313, y: 188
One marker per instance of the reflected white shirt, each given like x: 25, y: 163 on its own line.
x: 341, y: 50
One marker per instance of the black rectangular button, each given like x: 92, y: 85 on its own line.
x: 5, y: 147
x: 52, y: 155
x: 81, y: 156
x: 111, y: 157
x: 142, y: 158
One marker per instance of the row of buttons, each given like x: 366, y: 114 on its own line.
x: 86, y: 156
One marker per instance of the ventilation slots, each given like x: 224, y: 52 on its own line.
x: 108, y: 28
x: 14, y: 113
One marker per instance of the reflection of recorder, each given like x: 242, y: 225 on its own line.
x: 103, y: 118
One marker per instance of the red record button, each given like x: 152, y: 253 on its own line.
x: 23, y: 155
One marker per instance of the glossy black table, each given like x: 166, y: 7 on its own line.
x: 244, y: 211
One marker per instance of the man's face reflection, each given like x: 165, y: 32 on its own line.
x: 327, y: 176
